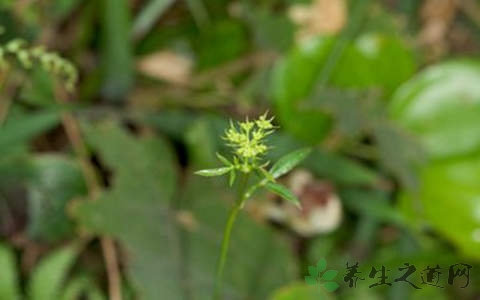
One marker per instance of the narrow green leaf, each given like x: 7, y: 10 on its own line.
x: 288, y: 162
x: 82, y: 286
x: 329, y: 275
x: 213, y: 172
x: 9, y: 288
x: 24, y: 128
x: 223, y: 159
x: 148, y: 15
x: 283, y: 192
x: 199, y: 12
x: 310, y: 280
x: 331, y: 286
x: 117, y: 52
x: 48, y: 277
x: 264, y: 173
x: 322, y: 265
x: 313, y: 271
x: 231, y: 180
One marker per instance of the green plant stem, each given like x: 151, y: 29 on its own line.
x: 5, y: 101
x: 226, y: 236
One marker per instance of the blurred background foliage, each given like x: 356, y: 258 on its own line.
x: 97, y: 194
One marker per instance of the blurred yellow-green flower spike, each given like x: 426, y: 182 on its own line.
x: 17, y: 51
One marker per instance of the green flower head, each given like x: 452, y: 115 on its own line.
x: 247, y: 139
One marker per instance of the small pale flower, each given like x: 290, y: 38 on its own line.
x: 258, y: 135
x: 264, y: 123
x: 247, y: 125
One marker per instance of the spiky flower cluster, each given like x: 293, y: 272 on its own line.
x: 248, y: 140
x: 27, y: 57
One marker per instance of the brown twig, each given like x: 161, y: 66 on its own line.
x: 111, y: 262
x: 73, y: 132
x: 4, y: 101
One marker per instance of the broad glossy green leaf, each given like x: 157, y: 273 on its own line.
x: 375, y: 60
x: 448, y: 201
x: 49, y: 275
x: 441, y: 107
x: 9, y: 285
x: 289, y: 161
x: 283, y: 192
x: 293, y: 79
x: 213, y: 172
x: 365, y: 63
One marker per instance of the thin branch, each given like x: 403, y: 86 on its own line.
x: 5, y: 102
x: 111, y: 262
x: 73, y: 132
